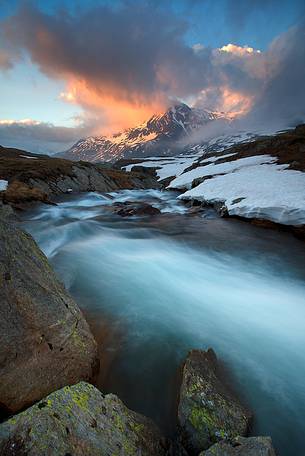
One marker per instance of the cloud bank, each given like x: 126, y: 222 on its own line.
x: 123, y: 64
x: 38, y: 137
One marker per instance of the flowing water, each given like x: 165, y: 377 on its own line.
x: 154, y: 287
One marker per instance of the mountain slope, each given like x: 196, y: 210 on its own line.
x: 159, y: 135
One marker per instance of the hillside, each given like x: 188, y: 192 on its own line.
x: 26, y: 177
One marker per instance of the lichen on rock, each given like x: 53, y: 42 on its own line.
x: 242, y: 446
x: 79, y: 420
x: 208, y: 411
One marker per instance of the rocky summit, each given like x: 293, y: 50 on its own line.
x: 160, y: 134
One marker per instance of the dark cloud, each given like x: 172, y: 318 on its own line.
x: 136, y: 53
x: 282, y: 99
x: 127, y: 52
x: 39, y: 137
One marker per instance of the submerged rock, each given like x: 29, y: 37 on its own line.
x: 132, y: 208
x: 45, y: 342
x: 208, y: 411
x: 79, y: 420
x: 242, y: 446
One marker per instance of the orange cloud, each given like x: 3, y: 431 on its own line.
x: 235, y: 103
x: 232, y: 102
x: 115, y: 113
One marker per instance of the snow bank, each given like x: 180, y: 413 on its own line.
x: 168, y: 167
x: 3, y: 185
x: 265, y: 191
x: 185, y: 180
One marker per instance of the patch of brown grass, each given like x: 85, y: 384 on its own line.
x: 19, y: 193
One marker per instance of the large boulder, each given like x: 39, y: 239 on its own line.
x: 45, y: 342
x: 79, y: 420
x: 242, y: 446
x: 207, y: 411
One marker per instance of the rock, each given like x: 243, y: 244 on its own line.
x: 39, y: 177
x: 207, y: 410
x: 6, y: 212
x: 131, y: 208
x: 45, y: 342
x: 81, y: 421
x: 242, y: 446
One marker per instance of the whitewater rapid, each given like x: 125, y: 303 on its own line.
x: 154, y: 287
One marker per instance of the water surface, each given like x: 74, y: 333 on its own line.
x: 154, y: 287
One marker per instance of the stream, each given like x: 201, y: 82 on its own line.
x: 154, y: 287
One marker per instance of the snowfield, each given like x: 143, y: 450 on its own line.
x: 252, y: 187
x: 266, y: 191
x: 186, y: 179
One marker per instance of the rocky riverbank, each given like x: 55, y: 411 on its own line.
x: 30, y: 178
x: 49, y: 360
x: 46, y: 345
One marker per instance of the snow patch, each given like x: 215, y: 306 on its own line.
x: 169, y: 167
x: 3, y: 185
x: 185, y: 180
x: 264, y: 191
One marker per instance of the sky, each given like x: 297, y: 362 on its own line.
x: 69, y: 69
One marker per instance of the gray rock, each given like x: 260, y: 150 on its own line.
x: 6, y: 212
x: 45, y: 342
x: 207, y: 410
x: 242, y: 446
x: 81, y: 421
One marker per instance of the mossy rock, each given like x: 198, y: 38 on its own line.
x: 79, y: 420
x: 208, y: 411
x: 242, y: 446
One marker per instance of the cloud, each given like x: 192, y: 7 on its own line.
x: 5, y: 60
x: 134, y: 55
x: 136, y: 58
x: 39, y: 137
x: 126, y: 63
x: 281, y: 100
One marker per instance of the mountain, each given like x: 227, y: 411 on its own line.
x: 160, y: 135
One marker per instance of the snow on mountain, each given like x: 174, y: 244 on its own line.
x: 192, y: 155
x: 160, y: 135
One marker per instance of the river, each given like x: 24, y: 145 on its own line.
x: 153, y: 288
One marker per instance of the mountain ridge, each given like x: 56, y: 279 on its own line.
x: 161, y: 134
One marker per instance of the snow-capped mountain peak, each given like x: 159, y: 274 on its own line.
x: 160, y: 135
